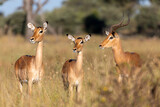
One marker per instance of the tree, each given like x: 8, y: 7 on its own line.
x: 30, y: 13
x: 2, y: 1
x: 147, y: 23
x: 1, y: 22
x: 74, y: 16
x: 155, y: 2
x: 15, y: 22
x: 93, y: 24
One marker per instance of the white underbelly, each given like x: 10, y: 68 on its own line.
x: 35, y: 80
x: 35, y: 76
x: 77, y: 82
x: 24, y: 81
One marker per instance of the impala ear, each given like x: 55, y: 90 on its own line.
x: 45, y: 25
x: 107, y: 33
x: 87, y: 37
x: 31, y: 26
x: 70, y: 37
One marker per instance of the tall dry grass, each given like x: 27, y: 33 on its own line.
x: 100, y: 87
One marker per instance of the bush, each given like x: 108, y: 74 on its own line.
x: 93, y: 24
x: 2, y: 20
x: 17, y: 22
x: 64, y: 20
x: 147, y: 20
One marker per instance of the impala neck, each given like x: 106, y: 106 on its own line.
x: 38, y: 57
x: 79, y: 61
x: 118, y: 51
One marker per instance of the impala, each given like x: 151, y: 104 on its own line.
x: 29, y: 69
x: 72, y: 72
x: 122, y: 59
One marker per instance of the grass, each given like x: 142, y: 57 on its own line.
x: 100, y: 87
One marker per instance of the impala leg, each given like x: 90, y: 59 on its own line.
x: 137, y: 71
x: 20, y: 87
x: 71, y: 91
x: 120, y: 75
x: 39, y: 87
x: 29, y: 87
x: 120, y: 78
x: 78, y: 90
x: 40, y: 81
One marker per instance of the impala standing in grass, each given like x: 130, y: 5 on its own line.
x: 126, y: 62
x: 29, y: 69
x: 72, y: 72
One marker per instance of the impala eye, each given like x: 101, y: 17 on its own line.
x: 41, y: 31
x: 111, y: 37
x: 81, y: 42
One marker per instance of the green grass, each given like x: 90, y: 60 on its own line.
x: 100, y: 87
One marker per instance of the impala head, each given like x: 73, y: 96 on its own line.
x: 112, y: 36
x: 78, y: 42
x: 38, y: 32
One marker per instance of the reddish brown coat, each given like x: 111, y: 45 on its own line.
x: 125, y: 61
x: 72, y: 72
x: 29, y: 69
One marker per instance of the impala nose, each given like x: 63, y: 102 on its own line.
x: 32, y: 39
x: 74, y: 50
x: 100, y: 46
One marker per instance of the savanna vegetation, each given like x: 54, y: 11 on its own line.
x: 100, y: 87
x: 77, y: 17
x: 93, y: 16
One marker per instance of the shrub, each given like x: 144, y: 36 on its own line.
x: 147, y: 20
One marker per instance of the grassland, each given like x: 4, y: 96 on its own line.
x: 100, y: 86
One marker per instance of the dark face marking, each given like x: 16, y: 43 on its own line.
x: 113, y: 33
x: 29, y: 55
x: 79, y: 38
x: 72, y: 60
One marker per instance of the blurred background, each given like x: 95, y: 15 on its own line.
x: 77, y: 16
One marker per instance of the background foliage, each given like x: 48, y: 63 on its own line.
x: 91, y: 16
x: 100, y: 87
